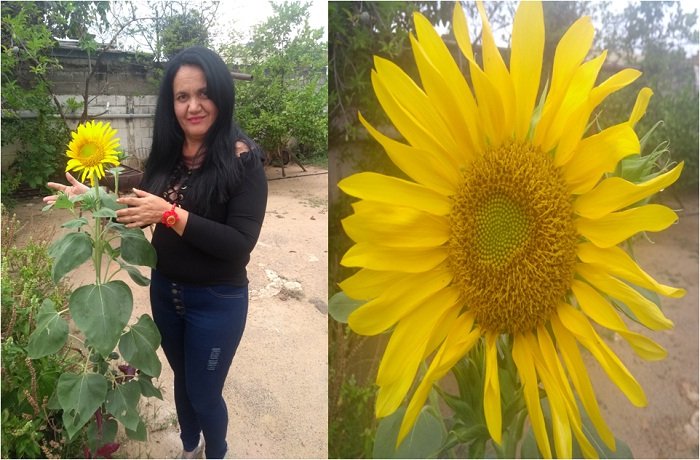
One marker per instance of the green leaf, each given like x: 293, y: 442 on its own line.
x: 139, y: 434
x: 75, y: 223
x: 147, y: 388
x: 340, y: 306
x: 122, y: 402
x: 50, y: 334
x: 138, y: 346
x: 136, y: 249
x: 69, y: 253
x: 424, y: 440
x: 101, y: 312
x: 135, y: 274
x: 79, y: 396
x: 105, y: 212
x: 63, y: 202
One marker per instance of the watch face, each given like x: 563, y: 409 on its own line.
x: 170, y: 220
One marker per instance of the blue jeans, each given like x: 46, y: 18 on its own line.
x: 201, y: 327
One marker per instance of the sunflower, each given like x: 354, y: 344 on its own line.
x: 92, y: 146
x: 510, y: 226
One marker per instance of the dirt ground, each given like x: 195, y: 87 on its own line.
x: 276, y: 390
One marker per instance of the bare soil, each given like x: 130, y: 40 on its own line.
x: 276, y: 390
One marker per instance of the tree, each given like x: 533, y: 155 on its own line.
x: 182, y: 31
x: 287, y: 98
x: 26, y: 60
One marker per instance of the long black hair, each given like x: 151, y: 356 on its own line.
x: 221, y: 168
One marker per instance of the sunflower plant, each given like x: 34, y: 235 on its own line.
x: 120, y: 359
x: 504, y: 243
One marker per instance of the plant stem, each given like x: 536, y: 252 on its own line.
x: 97, y: 252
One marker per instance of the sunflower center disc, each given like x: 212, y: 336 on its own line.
x: 512, y: 238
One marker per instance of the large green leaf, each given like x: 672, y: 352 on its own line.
x: 138, y: 346
x: 139, y: 434
x: 79, y: 396
x: 122, y: 402
x: 147, y: 388
x: 135, y: 274
x: 69, y: 253
x: 423, y: 441
x: 340, y: 306
x: 101, y: 312
x: 136, y: 249
x: 50, y: 334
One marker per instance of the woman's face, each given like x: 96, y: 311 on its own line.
x: 194, y: 111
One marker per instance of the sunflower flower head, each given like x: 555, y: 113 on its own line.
x: 509, y: 225
x: 92, y: 146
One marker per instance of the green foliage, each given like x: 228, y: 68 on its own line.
x: 350, y: 422
x: 285, y: 105
x: 182, y: 31
x: 26, y: 60
x: 30, y: 427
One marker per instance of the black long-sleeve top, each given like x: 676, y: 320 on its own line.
x: 215, y: 249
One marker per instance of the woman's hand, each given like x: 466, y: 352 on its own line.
x: 144, y: 209
x: 76, y: 188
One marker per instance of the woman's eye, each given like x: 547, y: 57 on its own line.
x: 181, y: 98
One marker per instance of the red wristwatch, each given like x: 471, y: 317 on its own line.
x: 170, y: 217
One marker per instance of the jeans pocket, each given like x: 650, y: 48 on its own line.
x: 228, y: 292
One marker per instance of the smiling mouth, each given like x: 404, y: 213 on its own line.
x: 195, y: 119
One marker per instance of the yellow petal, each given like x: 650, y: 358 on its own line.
x: 614, y: 83
x: 417, y: 134
x: 426, y: 168
x: 491, y: 110
x: 646, y: 311
x: 395, y: 191
x: 396, y: 227
x: 466, y: 127
x: 640, y: 105
x: 561, y: 430
x: 497, y: 73
x: 368, y: 284
x: 407, y: 260
x: 599, y: 310
x: 457, y: 344
x: 579, y: 378
x: 616, y: 193
x: 492, y: 390
x: 407, y: 348
x: 411, y: 334
x: 617, y: 262
x: 526, y: 370
x: 447, y: 89
x: 577, y: 324
x: 461, y: 31
x: 598, y: 154
x: 575, y: 101
x: 526, y: 62
x: 397, y: 301
x: 616, y: 227
x: 413, y: 99
x: 570, y: 52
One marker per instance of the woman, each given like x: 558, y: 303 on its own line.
x: 205, y: 189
